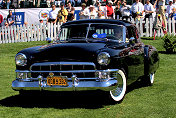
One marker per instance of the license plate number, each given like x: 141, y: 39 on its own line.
x: 57, y: 80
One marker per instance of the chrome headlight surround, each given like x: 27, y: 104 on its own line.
x: 21, y: 59
x: 103, y: 58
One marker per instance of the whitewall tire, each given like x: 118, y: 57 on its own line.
x: 118, y: 93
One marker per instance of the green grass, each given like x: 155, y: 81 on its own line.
x: 158, y: 101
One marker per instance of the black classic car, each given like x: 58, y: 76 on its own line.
x: 105, y: 55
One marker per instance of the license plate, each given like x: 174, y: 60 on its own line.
x: 57, y: 80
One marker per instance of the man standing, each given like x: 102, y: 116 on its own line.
x: 170, y: 9
x: 161, y: 4
x: 148, y: 9
x: 1, y: 19
x: 52, y: 15
x: 10, y: 19
x: 109, y: 11
x: 71, y: 12
x: 84, y: 13
x: 137, y: 9
x: 62, y: 14
x: 125, y: 11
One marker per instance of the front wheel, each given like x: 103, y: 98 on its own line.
x: 118, y: 93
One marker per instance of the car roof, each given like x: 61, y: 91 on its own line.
x: 88, y: 21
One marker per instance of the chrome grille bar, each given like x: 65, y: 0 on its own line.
x: 61, y: 64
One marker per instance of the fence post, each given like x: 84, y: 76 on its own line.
x: 6, y: 40
x: 173, y: 25
x: 55, y: 33
x: 24, y: 29
x: 169, y: 25
x: 151, y: 27
x: 31, y: 32
x: 12, y: 34
x: 22, y: 33
x: 28, y: 35
x: 3, y: 34
x: 147, y: 27
x: 58, y: 28
x: 45, y: 32
x: 141, y: 27
x: 38, y: 35
x: 41, y: 32
x: 15, y: 34
x: 18, y: 33
x: 34, y: 29
x: 8, y: 35
x: 49, y: 30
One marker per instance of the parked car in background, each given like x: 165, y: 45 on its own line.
x: 96, y: 54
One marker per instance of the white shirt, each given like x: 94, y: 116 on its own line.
x: 137, y: 7
x: 85, y: 14
x: 148, y: 7
x: 125, y: 11
x: 93, y: 14
x: 53, y: 14
x: 169, y: 9
x: 161, y: 2
x: 174, y: 4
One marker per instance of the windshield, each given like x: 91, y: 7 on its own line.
x: 92, y: 32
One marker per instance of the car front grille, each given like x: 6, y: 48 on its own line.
x: 63, y: 69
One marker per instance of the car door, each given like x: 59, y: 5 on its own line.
x: 135, y: 55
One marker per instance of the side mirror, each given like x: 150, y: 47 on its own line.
x: 48, y: 40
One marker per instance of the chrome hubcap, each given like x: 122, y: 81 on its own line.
x: 118, y: 90
x: 118, y: 93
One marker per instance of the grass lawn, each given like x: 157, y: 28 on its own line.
x: 157, y: 101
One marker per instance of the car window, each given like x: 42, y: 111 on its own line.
x: 114, y: 32
x: 73, y: 32
x: 92, y: 31
x: 132, y: 32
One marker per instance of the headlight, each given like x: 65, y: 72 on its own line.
x: 21, y: 59
x: 103, y: 58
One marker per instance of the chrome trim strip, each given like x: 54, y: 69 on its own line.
x: 63, y: 63
x: 69, y: 79
x: 72, y: 71
x: 82, y: 86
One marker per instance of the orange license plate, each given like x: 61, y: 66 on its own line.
x: 57, y: 80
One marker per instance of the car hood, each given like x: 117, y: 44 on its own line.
x: 64, y: 52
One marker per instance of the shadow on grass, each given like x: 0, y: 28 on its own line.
x: 61, y: 100
x: 65, y: 100
x: 147, y: 38
x: 136, y: 85
x: 150, y: 38
x: 164, y: 52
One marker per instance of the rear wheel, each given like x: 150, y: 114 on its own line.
x: 118, y: 93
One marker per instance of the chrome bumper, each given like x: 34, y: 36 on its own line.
x: 108, y: 82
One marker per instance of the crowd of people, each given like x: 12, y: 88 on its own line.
x: 96, y: 11
x: 121, y: 10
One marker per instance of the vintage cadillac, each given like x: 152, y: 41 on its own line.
x: 89, y: 55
